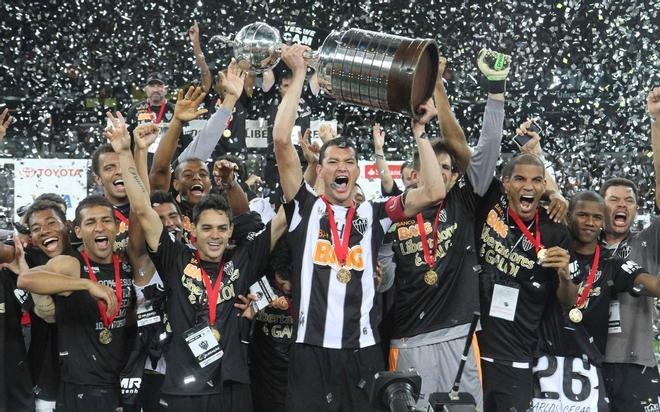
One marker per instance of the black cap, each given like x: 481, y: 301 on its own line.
x: 156, y: 77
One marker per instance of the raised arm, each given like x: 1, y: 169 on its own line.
x: 185, y: 110
x: 381, y: 164
x: 226, y: 171
x: 137, y: 193
x: 653, y: 105
x: 288, y: 163
x: 207, y: 139
x: 205, y: 73
x: 5, y: 121
x: 449, y: 128
x: 431, y: 187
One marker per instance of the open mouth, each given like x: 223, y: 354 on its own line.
x: 341, y: 183
x: 197, y: 190
x: 118, y: 183
x: 51, y: 244
x: 526, y: 203
x: 102, y: 242
x: 214, y: 245
x: 620, y: 219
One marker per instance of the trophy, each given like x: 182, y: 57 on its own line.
x: 362, y: 67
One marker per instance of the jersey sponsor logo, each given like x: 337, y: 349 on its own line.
x: 408, y: 245
x: 494, y: 221
x: 324, y: 255
x: 130, y: 386
x: 629, y: 267
x: 497, y: 254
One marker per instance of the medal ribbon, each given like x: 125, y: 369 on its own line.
x: 590, y: 280
x: 107, y: 320
x: 212, y: 291
x: 428, y: 257
x: 341, y: 247
x: 536, y: 240
x: 119, y: 215
x: 160, y: 112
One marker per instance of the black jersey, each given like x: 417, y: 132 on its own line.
x: 188, y: 306
x: 561, y: 337
x: 418, y: 306
x: 269, y: 351
x: 15, y: 380
x: 83, y: 359
x: 510, y: 272
x: 121, y: 241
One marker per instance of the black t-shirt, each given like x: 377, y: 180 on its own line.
x: 560, y: 337
x: 188, y: 306
x: 232, y: 141
x: 139, y: 113
x: 83, y: 359
x: 509, y: 266
x: 269, y: 351
x: 419, y: 307
x: 121, y: 241
x: 15, y: 380
x: 394, y: 192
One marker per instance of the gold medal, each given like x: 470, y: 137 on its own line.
x: 431, y: 277
x: 216, y: 333
x: 344, y: 275
x: 575, y: 315
x: 105, y: 336
x: 227, y: 133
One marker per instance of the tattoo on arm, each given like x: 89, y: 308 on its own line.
x: 136, y: 177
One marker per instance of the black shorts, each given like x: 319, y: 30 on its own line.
x: 506, y: 388
x: 235, y: 397
x: 85, y: 398
x: 322, y: 379
x: 631, y: 387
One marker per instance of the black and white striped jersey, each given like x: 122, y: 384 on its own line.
x: 329, y: 313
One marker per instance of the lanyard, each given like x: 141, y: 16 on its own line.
x: 429, y: 257
x: 212, y: 291
x: 341, y: 247
x: 160, y: 112
x: 590, y: 280
x: 535, y: 240
x: 107, y: 320
x: 119, y: 215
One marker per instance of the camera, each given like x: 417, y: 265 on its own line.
x: 521, y: 140
x: 395, y: 391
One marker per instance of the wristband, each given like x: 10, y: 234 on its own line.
x: 496, y: 86
x: 380, y: 156
x: 423, y: 136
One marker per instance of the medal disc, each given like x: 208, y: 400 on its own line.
x: 575, y: 315
x: 431, y: 277
x: 216, y: 334
x: 344, y: 275
x: 227, y: 133
x: 105, y: 337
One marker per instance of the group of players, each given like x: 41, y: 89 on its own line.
x: 143, y: 301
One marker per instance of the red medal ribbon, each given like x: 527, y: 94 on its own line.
x: 119, y: 215
x: 212, y: 291
x: 428, y: 258
x: 590, y: 280
x: 341, y: 247
x: 160, y: 112
x: 107, y: 320
x: 536, y: 240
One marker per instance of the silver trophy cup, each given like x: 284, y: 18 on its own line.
x: 362, y: 67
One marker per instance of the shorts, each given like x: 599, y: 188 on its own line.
x: 322, y: 379
x: 235, y: 397
x: 506, y: 388
x: 437, y: 364
x: 632, y: 387
x: 85, y: 398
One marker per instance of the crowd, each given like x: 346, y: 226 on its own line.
x: 229, y: 261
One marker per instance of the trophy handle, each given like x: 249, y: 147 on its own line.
x: 312, y: 56
x: 226, y: 40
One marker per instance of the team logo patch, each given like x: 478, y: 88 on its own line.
x: 21, y: 295
x: 526, y: 244
x: 443, y: 216
x: 168, y: 116
x: 360, y: 225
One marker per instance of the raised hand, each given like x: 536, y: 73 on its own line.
x: 234, y: 80
x: 224, y: 170
x: 495, y: 66
x: 145, y: 135
x: 293, y: 57
x: 193, y: 33
x: 428, y: 112
x: 652, y: 103
x: 326, y: 132
x: 379, y: 138
x: 117, y: 134
x: 187, y: 107
x: 310, y: 150
x: 5, y: 121
x: 534, y: 145
x: 557, y: 207
x: 18, y: 265
x: 442, y: 63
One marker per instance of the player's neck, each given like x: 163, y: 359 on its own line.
x: 614, y: 238
x: 585, y: 249
x: 97, y: 259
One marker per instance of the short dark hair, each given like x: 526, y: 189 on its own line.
x: 53, y: 197
x: 405, y: 164
x: 44, y: 204
x: 92, y: 201
x: 439, y: 146
x: 178, y: 168
x: 104, y: 148
x: 619, y: 181
x: 584, y: 196
x: 280, y: 260
x: 342, y: 143
x: 522, y: 159
x: 160, y: 196
x: 214, y: 202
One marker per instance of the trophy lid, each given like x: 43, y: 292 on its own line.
x: 256, y: 47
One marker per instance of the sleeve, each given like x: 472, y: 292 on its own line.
x: 625, y: 274
x: 394, y: 192
x: 258, y: 252
x: 303, y: 200
x: 203, y: 145
x: 394, y: 208
x: 167, y: 257
x: 246, y: 225
x: 484, y: 158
